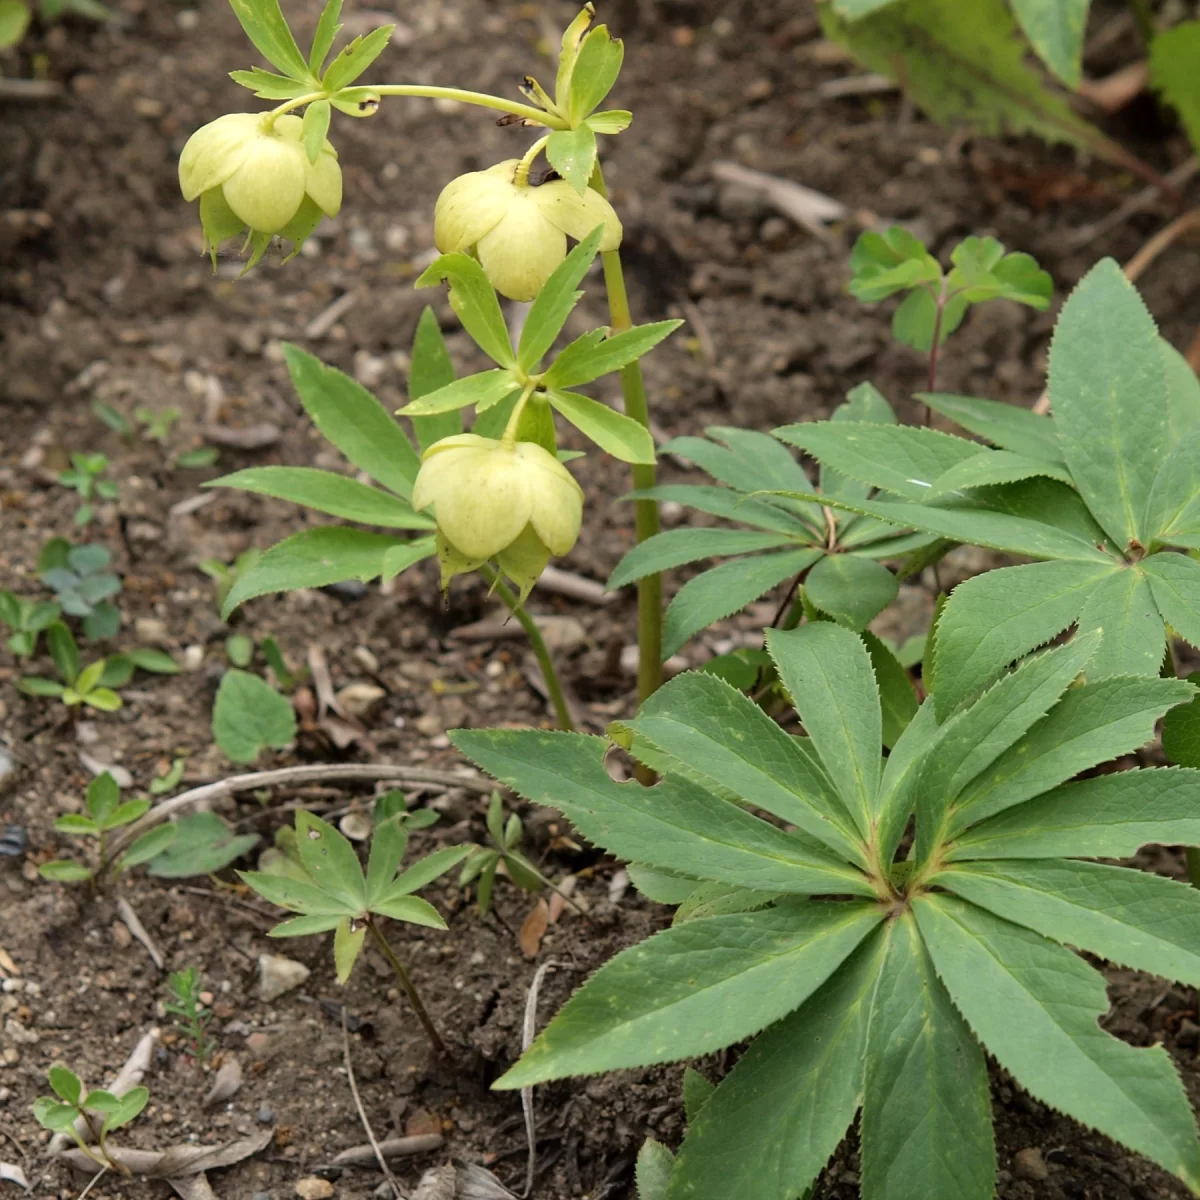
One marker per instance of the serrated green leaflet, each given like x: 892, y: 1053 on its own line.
x: 990, y: 467
x: 1127, y: 917
x: 431, y: 369
x: 901, y: 459
x: 794, y: 1129
x: 474, y: 301
x: 1121, y: 608
x: 828, y: 672
x: 1090, y: 725
x: 853, y: 590
x: 1035, y: 1006
x: 1107, y: 387
x: 619, y: 435
x: 1111, y: 816
x: 696, y: 988
x: 1005, y: 425
x: 549, y: 312
x: 1175, y: 585
x: 266, y: 27
x: 926, y: 1125
x: 676, y: 547
x: 728, y: 739
x: 725, y: 589
x: 898, y: 701
x: 1055, y: 30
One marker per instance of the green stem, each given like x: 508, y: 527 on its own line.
x: 549, y: 674
x: 482, y: 99
x: 406, y: 985
x: 633, y: 387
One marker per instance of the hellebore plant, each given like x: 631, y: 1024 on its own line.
x: 276, y: 174
x: 876, y: 978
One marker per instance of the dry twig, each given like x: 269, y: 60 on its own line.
x: 528, y: 1031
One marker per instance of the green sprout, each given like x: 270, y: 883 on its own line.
x: 323, y: 884
x: 27, y: 619
x: 84, y: 477
x: 484, y: 861
x: 192, y: 1015
x: 82, y: 583
x: 71, y: 1107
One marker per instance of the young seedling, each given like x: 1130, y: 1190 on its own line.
x: 156, y: 423
x: 191, y: 1014
x: 96, y: 684
x: 71, y: 1106
x: 81, y: 580
x: 27, y: 619
x: 484, y: 862
x: 883, y: 264
x: 106, y: 813
x: 84, y: 477
x: 327, y: 890
x: 884, y: 972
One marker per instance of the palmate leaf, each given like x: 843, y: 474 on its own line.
x: 1036, y: 1006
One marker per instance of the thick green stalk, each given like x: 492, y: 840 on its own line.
x: 633, y: 387
x: 549, y: 674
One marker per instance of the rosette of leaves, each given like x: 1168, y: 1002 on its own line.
x: 1100, y: 497
x: 84, y: 586
x: 27, y: 619
x: 73, y: 1110
x: 358, y: 425
x: 874, y: 974
x: 837, y: 553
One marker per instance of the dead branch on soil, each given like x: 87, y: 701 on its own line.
x: 133, y: 923
x: 359, y: 772
x: 810, y: 209
x: 364, y: 1156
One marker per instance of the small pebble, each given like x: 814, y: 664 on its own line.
x: 1029, y: 1164
x: 265, y: 1116
x: 277, y: 975
x: 313, y: 1187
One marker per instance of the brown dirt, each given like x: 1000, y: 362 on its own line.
x: 107, y: 298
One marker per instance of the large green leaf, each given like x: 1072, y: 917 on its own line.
x: 995, y: 618
x: 903, y: 459
x: 354, y: 421
x: 1121, y: 608
x: 678, y: 546
x: 328, y: 493
x: 696, y: 988
x: 1133, y: 918
x: 727, y: 588
x: 1108, y: 389
x: 927, y: 1120
x: 828, y: 672
x: 431, y: 369
x: 1036, y: 1007
x: 249, y: 715
x: 975, y: 737
x: 317, y: 558
x: 676, y: 825
x: 1175, y: 584
x: 791, y: 1097
x: 1005, y: 425
x: 851, y: 589
x: 1091, y: 724
x: 898, y: 701
x: 963, y: 64
x: 1110, y: 816
x: 723, y: 736
x: 474, y: 302
x: 1055, y: 30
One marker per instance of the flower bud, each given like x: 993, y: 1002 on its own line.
x: 514, y: 504
x: 256, y: 181
x: 519, y: 233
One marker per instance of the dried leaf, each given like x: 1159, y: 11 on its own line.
x: 228, y: 1080
x: 533, y: 928
x: 11, y: 1173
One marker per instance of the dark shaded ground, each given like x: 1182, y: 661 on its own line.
x: 106, y: 297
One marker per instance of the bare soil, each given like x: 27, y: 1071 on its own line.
x: 105, y: 296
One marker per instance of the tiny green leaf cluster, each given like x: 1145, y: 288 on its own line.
x: 72, y: 1110
x: 484, y: 862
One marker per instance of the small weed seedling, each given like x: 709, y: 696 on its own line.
x: 484, y: 861
x: 156, y: 423
x: 70, y: 1107
x: 324, y: 885
x: 84, y: 476
x: 225, y: 575
x: 96, y: 684
x: 191, y: 1014
x: 27, y: 619
x: 105, y: 814
x: 84, y: 586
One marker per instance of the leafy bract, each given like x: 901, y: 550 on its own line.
x: 884, y: 988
